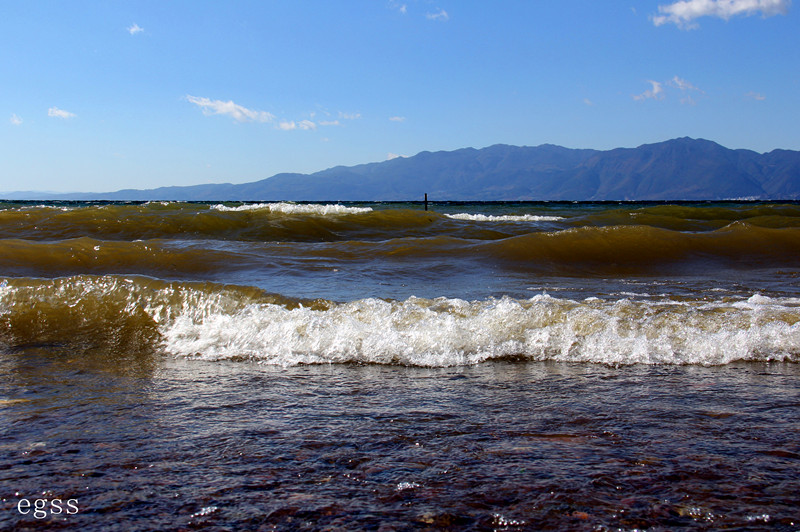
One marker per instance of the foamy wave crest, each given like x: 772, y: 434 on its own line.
x: 503, y: 218
x: 295, y: 208
x: 448, y: 332
x: 226, y: 322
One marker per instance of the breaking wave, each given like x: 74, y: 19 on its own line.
x: 295, y: 208
x: 226, y: 322
x: 503, y: 217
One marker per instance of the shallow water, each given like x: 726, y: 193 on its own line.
x: 181, y: 444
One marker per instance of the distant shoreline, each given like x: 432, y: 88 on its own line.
x: 682, y: 169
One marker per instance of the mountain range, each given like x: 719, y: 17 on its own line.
x: 678, y: 169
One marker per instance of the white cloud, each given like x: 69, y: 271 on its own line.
x: 756, y: 96
x: 399, y: 7
x: 397, y: 118
x: 656, y: 93
x: 289, y: 125
x: 133, y: 30
x: 684, y: 12
x: 687, y: 90
x: 682, y: 84
x: 390, y: 156
x: 243, y: 114
x: 588, y: 102
x: 55, y: 112
x: 17, y: 121
x: 441, y: 16
x: 239, y: 113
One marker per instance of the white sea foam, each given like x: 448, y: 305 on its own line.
x: 296, y: 208
x: 503, y: 218
x: 62, y: 208
x: 448, y: 332
x: 219, y: 322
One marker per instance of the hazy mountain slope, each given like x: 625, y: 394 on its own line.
x: 678, y: 169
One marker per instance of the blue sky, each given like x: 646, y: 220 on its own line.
x: 99, y: 96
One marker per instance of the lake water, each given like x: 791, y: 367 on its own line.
x: 506, y: 366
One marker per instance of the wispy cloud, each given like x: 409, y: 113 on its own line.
x: 337, y: 121
x: 236, y: 111
x: 588, y: 102
x: 243, y: 114
x: 684, y: 12
x: 398, y: 6
x: 682, y: 84
x: 55, y: 112
x: 17, y: 121
x: 756, y: 96
x: 289, y: 125
x: 440, y: 15
x: 134, y: 29
x: 688, y: 90
x: 390, y: 156
x: 397, y: 118
x: 655, y: 93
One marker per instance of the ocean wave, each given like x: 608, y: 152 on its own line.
x: 223, y: 322
x: 639, y: 248
x: 291, y: 222
x: 691, y: 217
x: 90, y: 256
x: 503, y: 217
x: 256, y: 222
x: 590, y: 251
x: 296, y: 208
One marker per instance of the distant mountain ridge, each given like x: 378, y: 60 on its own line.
x: 678, y: 169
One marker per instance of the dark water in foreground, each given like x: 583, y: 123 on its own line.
x: 502, y: 445
x: 373, y: 366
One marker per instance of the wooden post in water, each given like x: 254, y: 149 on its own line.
x: 426, y: 201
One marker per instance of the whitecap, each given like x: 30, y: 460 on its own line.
x: 449, y: 332
x: 503, y: 218
x: 296, y: 208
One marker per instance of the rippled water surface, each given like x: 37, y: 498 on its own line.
x: 177, y: 444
